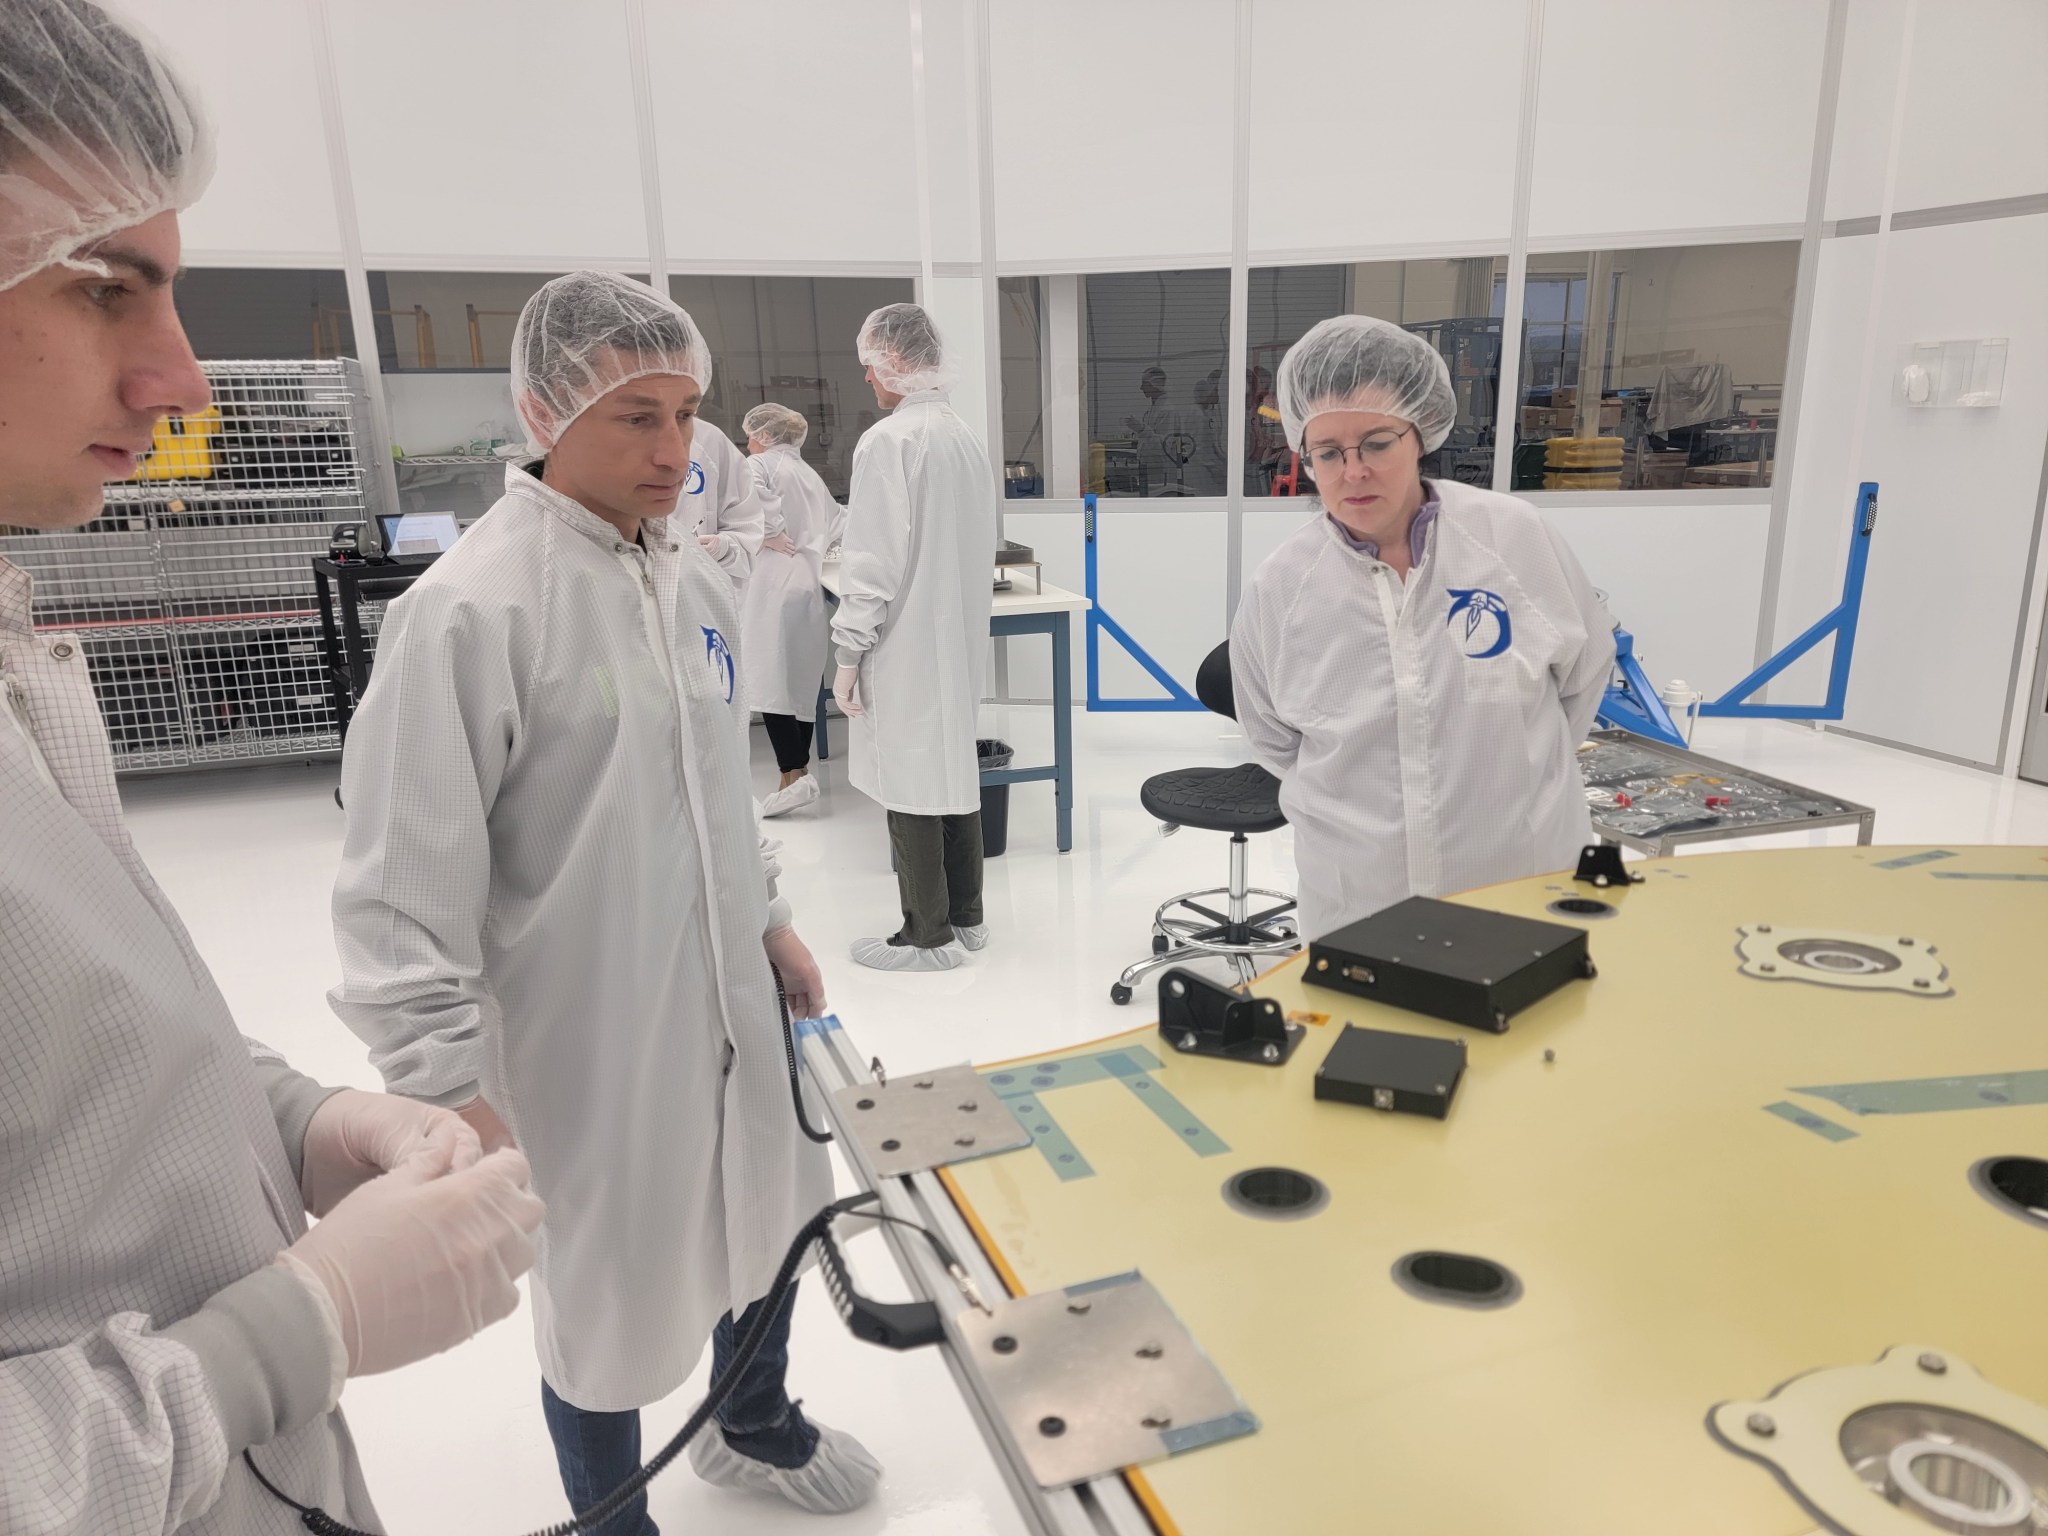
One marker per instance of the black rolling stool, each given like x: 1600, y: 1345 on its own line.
x: 1240, y: 801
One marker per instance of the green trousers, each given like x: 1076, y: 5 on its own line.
x: 938, y: 874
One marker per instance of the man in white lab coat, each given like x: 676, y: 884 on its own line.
x: 554, y: 914
x: 1419, y: 662
x: 916, y: 582
x: 163, y: 1307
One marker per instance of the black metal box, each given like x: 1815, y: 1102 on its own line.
x: 1464, y: 964
x: 1410, y: 1074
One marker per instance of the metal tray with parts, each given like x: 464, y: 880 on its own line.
x: 1654, y: 799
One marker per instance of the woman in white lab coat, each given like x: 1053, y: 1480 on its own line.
x: 916, y: 583
x: 783, y: 625
x: 1419, y: 662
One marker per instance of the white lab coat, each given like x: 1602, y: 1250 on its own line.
x: 718, y: 498
x: 1425, y: 735
x: 141, y: 1170
x: 552, y: 890
x: 783, y: 622
x: 916, y: 581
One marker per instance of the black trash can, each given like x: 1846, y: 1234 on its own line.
x: 995, y: 798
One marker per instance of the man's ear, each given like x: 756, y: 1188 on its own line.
x: 538, y: 420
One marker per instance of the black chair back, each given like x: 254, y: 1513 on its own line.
x: 1212, y: 683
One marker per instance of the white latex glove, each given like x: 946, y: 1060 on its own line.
x: 846, y: 689
x: 781, y: 543
x: 802, y: 983
x: 490, y: 1130
x: 423, y: 1257
x: 355, y: 1136
x: 710, y: 543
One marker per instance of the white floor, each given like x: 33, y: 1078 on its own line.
x: 458, y: 1443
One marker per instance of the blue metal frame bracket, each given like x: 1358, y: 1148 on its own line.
x: 1178, y: 699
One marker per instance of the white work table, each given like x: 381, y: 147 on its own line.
x: 1049, y: 610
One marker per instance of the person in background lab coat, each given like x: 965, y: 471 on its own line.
x: 1419, y: 662
x: 916, y: 584
x: 783, y: 627
x: 719, y: 502
x: 163, y: 1306
x: 554, y: 914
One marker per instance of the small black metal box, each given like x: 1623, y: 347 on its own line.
x: 1464, y: 964
x: 1411, y: 1074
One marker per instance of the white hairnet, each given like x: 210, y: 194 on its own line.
x: 901, y: 343
x: 586, y: 333
x: 776, y: 424
x: 1357, y: 363
x: 98, y: 132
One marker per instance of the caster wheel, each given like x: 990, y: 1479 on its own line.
x: 1159, y: 943
x: 1119, y: 994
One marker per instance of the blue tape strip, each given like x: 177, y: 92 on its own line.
x: 1071, y: 1072
x: 1193, y: 1437
x: 1964, y: 874
x: 1177, y: 1117
x: 1106, y: 1283
x: 1934, y: 1095
x: 1054, y: 1145
x: 1907, y: 861
x: 805, y: 1028
x: 1807, y: 1120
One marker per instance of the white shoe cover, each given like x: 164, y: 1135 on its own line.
x: 973, y: 938
x: 801, y: 792
x: 881, y: 955
x: 840, y: 1475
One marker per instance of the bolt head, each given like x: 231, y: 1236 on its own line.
x: 1907, y: 942
x: 1080, y: 1308
x: 1150, y: 1351
x: 1933, y: 1364
x: 1187, y: 1041
x: 1270, y: 1053
x: 1761, y: 1424
x: 1052, y: 1427
x: 1549, y: 1055
x: 963, y: 1141
x: 1323, y: 964
x: 1767, y: 966
x: 924, y: 1082
x: 1923, y: 983
x: 1158, y: 1418
x: 1004, y: 1345
x: 971, y: 1107
x: 1763, y: 927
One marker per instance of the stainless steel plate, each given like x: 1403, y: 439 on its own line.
x: 1099, y: 1377
x: 927, y: 1120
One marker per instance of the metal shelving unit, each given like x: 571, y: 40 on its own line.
x: 192, y: 597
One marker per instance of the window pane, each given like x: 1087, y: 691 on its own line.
x: 449, y: 321
x: 262, y: 313
x: 1446, y: 302
x: 1020, y: 303
x: 792, y: 340
x: 1682, y: 348
x: 1158, y: 343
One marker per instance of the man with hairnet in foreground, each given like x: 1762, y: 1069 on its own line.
x: 1419, y: 664
x: 555, y: 917
x: 916, y: 581
x: 163, y: 1307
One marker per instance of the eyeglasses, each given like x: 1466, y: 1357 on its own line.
x: 1370, y: 449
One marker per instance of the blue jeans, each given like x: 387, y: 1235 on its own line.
x: 598, y: 1451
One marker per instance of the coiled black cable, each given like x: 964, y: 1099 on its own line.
x: 321, y: 1523
x: 796, y: 1086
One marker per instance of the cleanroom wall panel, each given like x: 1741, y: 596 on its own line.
x: 1384, y: 125
x: 1976, y: 123
x: 271, y: 202
x: 783, y: 130
x: 1113, y: 130
x: 1675, y: 117
x: 483, y: 132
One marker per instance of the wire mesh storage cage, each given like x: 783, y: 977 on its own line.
x: 192, y: 592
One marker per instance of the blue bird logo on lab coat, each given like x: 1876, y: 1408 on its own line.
x: 694, y: 484
x: 719, y: 654
x: 1478, y: 605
